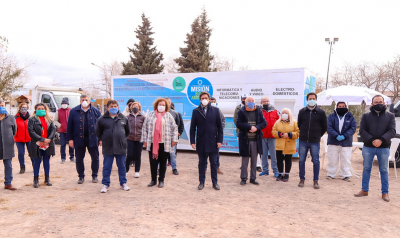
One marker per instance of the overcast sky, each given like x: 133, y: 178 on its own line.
x: 63, y: 38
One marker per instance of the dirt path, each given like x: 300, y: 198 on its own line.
x: 272, y: 209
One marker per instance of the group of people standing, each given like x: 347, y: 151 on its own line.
x: 261, y: 130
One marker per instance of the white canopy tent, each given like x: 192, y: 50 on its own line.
x: 350, y: 94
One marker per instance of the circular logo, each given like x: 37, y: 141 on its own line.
x: 195, y: 87
x: 179, y: 84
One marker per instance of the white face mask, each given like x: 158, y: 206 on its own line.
x: 204, y: 102
x: 65, y: 106
x: 85, y: 104
x: 161, y: 108
x: 213, y: 104
x: 285, y: 117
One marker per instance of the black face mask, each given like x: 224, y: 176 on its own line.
x: 135, y: 110
x: 266, y: 106
x: 379, y: 107
x: 341, y: 111
x: 243, y: 102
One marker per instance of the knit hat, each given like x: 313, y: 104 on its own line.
x: 65, y: 101
x: 244, y: 95
x: 130, y: 100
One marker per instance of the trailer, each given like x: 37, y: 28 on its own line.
x: 286, y: 88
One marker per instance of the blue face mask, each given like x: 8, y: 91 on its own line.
x: 311, y: 103
x: 113, y: 111
x: 3, y: 110
x: 251, y: 105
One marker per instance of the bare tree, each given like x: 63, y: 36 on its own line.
x: 13, y: 75
x: 170, y: 66
x: 219, y: 63
x: 392, y: 70
x: 107, y: 70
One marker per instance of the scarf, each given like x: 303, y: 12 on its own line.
x: 157, y: 133
x: 24, y: 117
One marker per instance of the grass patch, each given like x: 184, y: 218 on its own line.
x: 3, y: 200
x: 30, y: 213
x: 70, y: 207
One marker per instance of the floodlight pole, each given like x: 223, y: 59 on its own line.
x: 329, y: 62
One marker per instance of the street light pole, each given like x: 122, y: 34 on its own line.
x: 328, y: 40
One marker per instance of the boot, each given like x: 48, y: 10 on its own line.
x: 301, y: 183
x: 22, y: 170
x: 362, y: 193
x: 285, y: 178
x: 35, y: 181
x: 47, y: 180
x: 316, y: 185
x: 279, y: 178
x: 385, y: 197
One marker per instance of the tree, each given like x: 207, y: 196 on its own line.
x: 145, y: 59
x: 107, y: 71
x: 170, y: 66
x: 392, y: 70
x: 12, y: 75
x: 219, y: 64
x: 196, y: 56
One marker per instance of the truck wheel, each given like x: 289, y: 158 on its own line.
x: 397, y: 156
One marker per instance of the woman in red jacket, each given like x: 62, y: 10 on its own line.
x: 22, y: 137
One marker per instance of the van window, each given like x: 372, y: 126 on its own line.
x: 47, y: 99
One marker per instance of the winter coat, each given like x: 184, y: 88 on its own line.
x: 206, y: 129
x: 22, y: 129
x: 136, y: 124
x: 312, y: 124
x: 113, y: 133
x: 75, y: 130
x: 244, y: 128
x: 235, y: 114
x: 286, y: 145
x: 61, y: 119
x: 271, y: 116
x: 374, y: 126
x: 178, y: 120
x: 348, y: 129
x: 8, y: 131
x: 35, y: 132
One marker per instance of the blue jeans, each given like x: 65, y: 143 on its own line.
x: 304, y: 147
x: 172, y: 156
x: 63, y: 145
x: 268, y: 145
x: 46, y: 163
x: 383, y: 159
x: 8, y: 176
x: 203, y: 166
x: 21, y: 152
x: 107, y: 166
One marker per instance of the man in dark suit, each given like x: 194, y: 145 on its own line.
x: 206, y: 119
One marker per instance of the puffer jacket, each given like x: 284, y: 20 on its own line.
x: 136, y: 124
x: 271, y: 116
x: 286, y: 145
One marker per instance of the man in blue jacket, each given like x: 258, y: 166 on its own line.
x: 341, y: 128
x: 206, y: 136
x: 250, y: 122
x: 81, y: 134
x: 377, y: 128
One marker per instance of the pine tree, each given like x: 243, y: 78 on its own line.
x: 196, y: 56
x: 145, y: 59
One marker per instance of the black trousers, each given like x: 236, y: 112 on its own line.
x: 134, y: 153
x: 280, y: 157
x: 162, y: 161
x: 80, y: 151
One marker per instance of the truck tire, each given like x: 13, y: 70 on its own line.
x: 397, y: 156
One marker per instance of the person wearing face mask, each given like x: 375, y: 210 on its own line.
x: 238, y: 107
x: 271, y: 115
x: 377, y: 128
x: 22, y: 137
x: 8, y: 129
x: 42, y: 131
x: 112, y: 129
x: 213, y: 102
x: 206, y: 137
x: 286, y: 131
x: 341, y: 128
x: 159, y: 136
x: 81, y: 135
x: 127, y: 110
x: 136, y: 120
x: 250, y: 122
x: 313, y: 125
x: 61, y: 121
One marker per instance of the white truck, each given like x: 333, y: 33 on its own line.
x: 395, y: 108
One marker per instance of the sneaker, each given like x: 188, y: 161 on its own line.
x: 301, y: 183
x: 263, y: 173
x: 72, y: 159
x: 316, y: 185
x: 125, y: 187
x: 276, y: 175
x: 259, y: 169
x: 285, y: 178
x: 104, y: 189
x: 62, y: 161
x: 95, y: 180
x: 347, y: 179
x: 279, y: 178
x: 81, y: 180
x: 136, y: 174
x: 329, y: 177
x: 175, y: 172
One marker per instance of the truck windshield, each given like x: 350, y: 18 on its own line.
x: 74, y: 100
